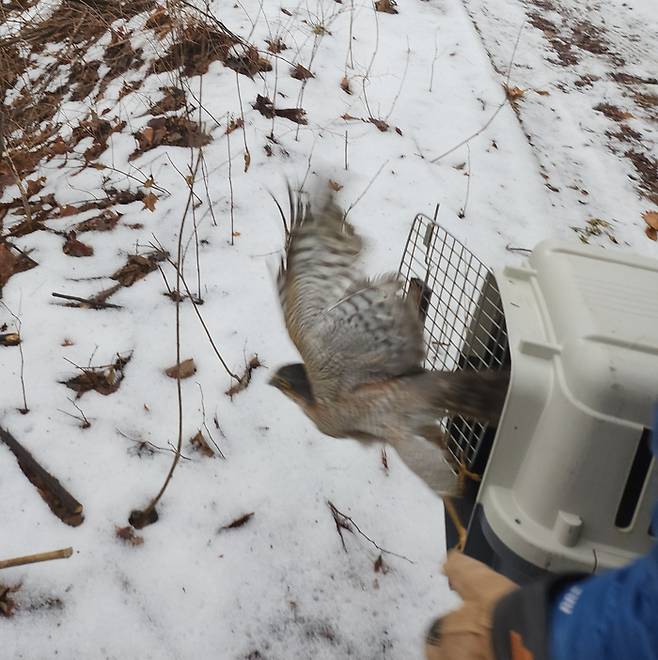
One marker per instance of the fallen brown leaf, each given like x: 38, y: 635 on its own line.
x: 138, y: 267
x: 11, y: 263
x: 10, y: 339
x: 149, y: 201
x: 199, y: 443
x: 234, y: 124
x: 267, y: 109
x: 105, y: 380
x: 183, y: 370
x: 245, y: 379
x: 35, y: 185
x: 513, y: 93
x: 58, y: 147
x: 651, y: 218
x: 275, y: 45
x: 379, y: 123
x: 334, y: 185
x: 66, y: 210
x: 300, y: 72
x: 7, y: 604
x: 380, y: 566
x: 651, y: 233
x: 345, y: 85
x: 386, y: 6
x: 174, y: 99
x: 75, y: 248
x: 105, y: 221
x: 613, y: 112
x: 238, y: 522
x: 128, y: 534
x: 169, y: 131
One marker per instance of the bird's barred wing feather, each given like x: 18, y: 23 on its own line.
x: 317, y: 267
x: 349, y: 330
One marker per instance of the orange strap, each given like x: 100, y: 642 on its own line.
x: 519, y: 651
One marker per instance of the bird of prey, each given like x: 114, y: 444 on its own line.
x: 362, y: 348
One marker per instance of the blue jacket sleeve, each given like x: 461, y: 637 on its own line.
x: 612, y: 616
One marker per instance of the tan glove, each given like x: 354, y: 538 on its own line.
x: 465, y: 634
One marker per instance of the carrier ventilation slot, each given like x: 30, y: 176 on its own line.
x: 635, y: 482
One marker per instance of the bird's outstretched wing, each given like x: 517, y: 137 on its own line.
x: 348, y: 329
x: 428, y: 462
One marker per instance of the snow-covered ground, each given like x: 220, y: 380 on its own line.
x: 590, y: 106
x: 281, y: 586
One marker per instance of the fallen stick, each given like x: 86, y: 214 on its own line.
x: 86, y: 302
x: 64, y: 553
x: 60, y: 501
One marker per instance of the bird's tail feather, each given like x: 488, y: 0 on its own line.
x: 475, y: 394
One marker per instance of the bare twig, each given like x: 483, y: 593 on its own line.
x: 200, y: 317
x: 350, y: 56
x: 230, y: 178
x: 469, y: 174
x: 436, y: 55
x: 205, y: 425
x: 247, y: 153
x: 345, y: 522
x: 4, y: 152
x: 86, y: 302
x: 365, y: 190
x: 82, y: 418
x: 24, y: 410
x: 495, y: 112
x: 64, y: 553
x: 152, y: 445
x: 521, y: 250
x: 204, y: 176
x: 402, y: 81
x: 139, y: 519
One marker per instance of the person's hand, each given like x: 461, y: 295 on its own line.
x: 465, y: 634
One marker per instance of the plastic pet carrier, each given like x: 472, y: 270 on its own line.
x: 567, y: 477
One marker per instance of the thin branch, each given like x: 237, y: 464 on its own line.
x: 200, y: 317
x: 495, y: 113
x: 342, y: 521
x: 247, y: 153
x: 462, y: 213
x: 205, y: 425
x: 230, y: 178
x: 436, y: 55
x: 365, y: 190
x: 146, y: 516
x: 64, y: 553
x: 404, y: 78
x: 24, y: 410
x: 94, y: 304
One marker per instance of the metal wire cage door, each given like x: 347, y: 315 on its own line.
x: 458, y: 300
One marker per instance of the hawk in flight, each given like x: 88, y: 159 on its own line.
x: 362, y: 349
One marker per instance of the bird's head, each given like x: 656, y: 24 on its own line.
x: 293, y: 381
